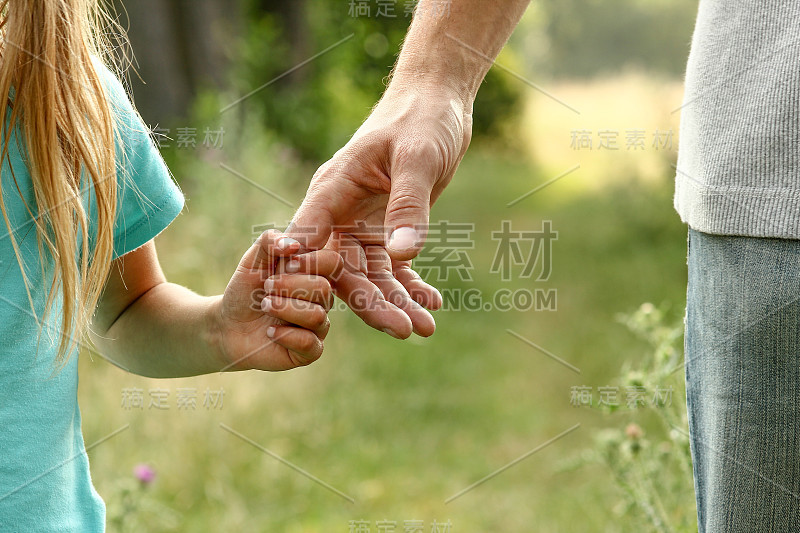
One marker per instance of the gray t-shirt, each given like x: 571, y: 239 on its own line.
x: 738, y: 169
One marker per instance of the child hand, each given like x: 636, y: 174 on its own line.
x: 269, y: 320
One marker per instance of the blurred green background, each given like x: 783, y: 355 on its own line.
x: 400, y: 427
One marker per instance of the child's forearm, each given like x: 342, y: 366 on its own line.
x: 169, y: 331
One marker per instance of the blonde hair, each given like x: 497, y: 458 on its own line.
x: 49, y: 70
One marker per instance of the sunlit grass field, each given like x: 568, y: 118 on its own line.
x: 401, y: 427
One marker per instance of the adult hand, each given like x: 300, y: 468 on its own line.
x: 394, y: 167
x: 387, y: 177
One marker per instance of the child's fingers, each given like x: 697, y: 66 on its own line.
x: 326, y: 263
x: 269, y: 246
x: 299, y: 341
x: 307, y: 287
x: 305, y: 314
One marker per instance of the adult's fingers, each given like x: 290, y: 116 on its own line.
x: 363, y: 297
x: 421, y: 292
x: 379, y: 272
x: 331, y: 199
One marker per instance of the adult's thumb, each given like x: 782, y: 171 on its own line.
x: 407, y: 214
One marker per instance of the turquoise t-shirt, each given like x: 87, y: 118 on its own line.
x: 44, y: 471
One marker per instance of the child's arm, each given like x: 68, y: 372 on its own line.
x: 154, y: 328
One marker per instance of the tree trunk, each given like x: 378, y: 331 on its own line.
x: 177, y: 45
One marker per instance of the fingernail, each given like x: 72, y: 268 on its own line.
x: 391, y: 332
x: 269, y: 284
x: 271, y: 331
x: 403, y: 238
x: 266, y: 305
x: 292, y: 266
x: 284, y: 243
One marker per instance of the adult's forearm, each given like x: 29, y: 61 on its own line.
x: 168, y: 332
x: 452, y: 43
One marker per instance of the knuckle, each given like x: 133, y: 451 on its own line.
x: 322, y: 171
x: 405, y: 201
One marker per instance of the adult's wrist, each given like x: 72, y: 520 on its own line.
x: 459, y: 79
x: 427, y: 93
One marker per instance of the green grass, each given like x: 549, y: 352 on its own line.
x: 402, y: 426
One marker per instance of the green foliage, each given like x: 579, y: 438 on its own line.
x: 317, y: 107
x: 498, y: 101
x: 399, y: 426
x: 653, y: 468
x: 131, y: 507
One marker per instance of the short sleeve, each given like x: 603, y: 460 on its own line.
x: 148, y: 199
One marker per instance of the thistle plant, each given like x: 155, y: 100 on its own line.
x: 651, y: 467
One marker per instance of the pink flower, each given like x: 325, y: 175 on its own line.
x: 144, y: 473
x: 634, y: 432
